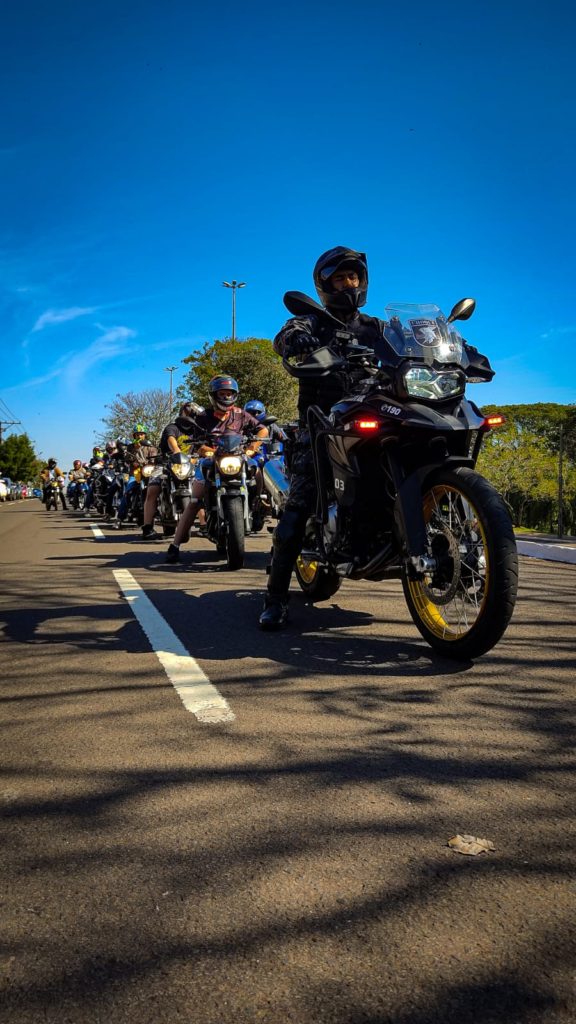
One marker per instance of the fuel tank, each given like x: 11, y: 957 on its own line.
x: 276, y: 481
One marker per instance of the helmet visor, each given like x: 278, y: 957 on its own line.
x: 347, y: 263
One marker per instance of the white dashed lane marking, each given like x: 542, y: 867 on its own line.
x: 195, y: 690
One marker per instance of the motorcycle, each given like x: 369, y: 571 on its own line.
x: 398, y: 496
x: 231, y: 490
x: 177, y: 473
x: 269, y: 450
x: 103, y: 476
x: 54, y: 494
x: 276, y: 472
x: 112, y: 485
x: 76, y: 494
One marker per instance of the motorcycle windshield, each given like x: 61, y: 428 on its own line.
x: 229, y: 442
x: 421, y: 331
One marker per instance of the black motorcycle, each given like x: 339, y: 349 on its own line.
x: 106, y: 479
x: 398, y: 494
x: 177, y: 473
x: 231, y: 490
x: 54, y: 494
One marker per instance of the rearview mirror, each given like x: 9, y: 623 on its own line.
x: 300, y: 304
x: 462, y: 310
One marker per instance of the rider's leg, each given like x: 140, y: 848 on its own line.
x: 288, y: 539
x: 150, y: 508
x: 186, y: 520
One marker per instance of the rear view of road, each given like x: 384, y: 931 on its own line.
x: 287, y: 861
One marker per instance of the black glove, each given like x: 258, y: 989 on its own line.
x: 300, y: 345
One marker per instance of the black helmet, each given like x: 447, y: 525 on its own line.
x: 223, y: 384
x: 341, y: 258
x: 52, y: 463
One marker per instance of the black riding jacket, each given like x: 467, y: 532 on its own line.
x: 326, y: 391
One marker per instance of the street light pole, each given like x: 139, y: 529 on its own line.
x: 170, y: 370
x: 561, y: 483
x: 234, y: 285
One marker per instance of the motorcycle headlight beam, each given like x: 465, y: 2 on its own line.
x: 435, y: 385
x: 181, y: 470
x: 230, y: 464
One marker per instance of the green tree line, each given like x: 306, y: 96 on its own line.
x: 531, y: 460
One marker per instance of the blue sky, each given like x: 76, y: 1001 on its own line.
x: 151, y: 150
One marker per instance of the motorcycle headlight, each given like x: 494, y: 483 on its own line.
x: 230, y: 464
x: 181, y: 470
x: 148, y: 470
x: 425, y: 382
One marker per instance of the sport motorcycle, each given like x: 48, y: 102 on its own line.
x: 398, y: 495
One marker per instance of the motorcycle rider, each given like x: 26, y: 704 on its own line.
x: 225, y: 417
x: 174, y: 439
x: 76, y: 477
x: 137, y: 454
x: 341, y: 281
x: 52, y: 472
x: 276, y: 438
x: 97, y: 457
x: 257, y: 409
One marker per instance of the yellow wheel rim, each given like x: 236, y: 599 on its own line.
x: 306, y: 570
x: 447, y: 510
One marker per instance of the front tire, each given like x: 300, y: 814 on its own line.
x: 233, y: 510
x: 463, y: 607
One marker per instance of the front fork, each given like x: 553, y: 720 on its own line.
x: 409, y: 512
x: 241, y: 489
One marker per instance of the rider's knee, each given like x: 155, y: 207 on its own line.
x: 291, y: 527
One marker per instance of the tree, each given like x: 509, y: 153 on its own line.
x: 256, y: 367
x: 522, y: 460
x: 18, y: 460
x: 544, y: 419
x: 152, y: 408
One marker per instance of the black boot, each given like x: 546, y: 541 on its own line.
x: 172, y: 555
x: 275, y: 614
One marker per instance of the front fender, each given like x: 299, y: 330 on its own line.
x: 408, y: 511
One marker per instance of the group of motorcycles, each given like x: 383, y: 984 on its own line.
x: 236, y: 503
x: 398, y: 495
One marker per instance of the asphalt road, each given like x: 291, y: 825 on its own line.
x: 276, y: 850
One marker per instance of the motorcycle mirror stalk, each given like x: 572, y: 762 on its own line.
x: 462, y: 310
x: 300, y: 304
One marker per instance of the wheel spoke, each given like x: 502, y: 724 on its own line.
x: 450, y: 600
